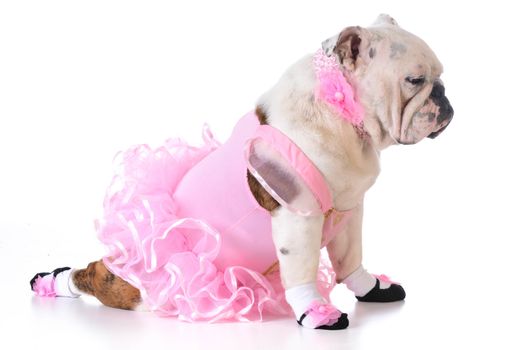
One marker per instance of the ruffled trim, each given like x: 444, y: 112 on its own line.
x: 171, y: 259
x: 321, y: 314
x: 45, y: 286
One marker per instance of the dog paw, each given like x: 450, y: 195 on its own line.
x: 323, y: 316
x: 51, y: 284
x: 390, y: 291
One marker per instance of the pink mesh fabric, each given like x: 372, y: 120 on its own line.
x: 181, y: 225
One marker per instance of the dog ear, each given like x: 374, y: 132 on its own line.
x: 351, y: 45
x: 385, y: 19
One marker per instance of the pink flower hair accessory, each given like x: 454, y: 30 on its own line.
x: 322, y: 314
x: 334, y: 89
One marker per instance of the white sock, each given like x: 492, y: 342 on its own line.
x: 64, y: 286
x: 300, y: 298
x: 361, y: 282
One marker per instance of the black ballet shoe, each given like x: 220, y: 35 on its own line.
x: 42, y: 274
x: 341, y: 323
x: 376, y: 295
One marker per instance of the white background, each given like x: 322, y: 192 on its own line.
x: 80, y: 81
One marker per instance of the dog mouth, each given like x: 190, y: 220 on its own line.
x: 406, y: 143
x: 430, y: 120
x: 438, y: 132
x: 417, y: 137
x: 400, y: 140
x: 444, y: 119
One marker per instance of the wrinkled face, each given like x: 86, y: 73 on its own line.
x: 397, y: 78
x: 407, y: 74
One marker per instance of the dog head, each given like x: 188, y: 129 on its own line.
x: 396, y: 77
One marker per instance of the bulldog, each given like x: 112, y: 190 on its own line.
x: 305, y: 159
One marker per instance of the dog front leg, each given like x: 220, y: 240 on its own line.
x: 345, y: 249
x: 297, y: 239
x: 345, y: 253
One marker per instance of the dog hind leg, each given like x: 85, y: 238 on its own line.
x: 95, y: 280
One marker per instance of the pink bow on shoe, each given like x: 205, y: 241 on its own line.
x: 322, y: 314
x: 385, y: 278
x: 45, y: 286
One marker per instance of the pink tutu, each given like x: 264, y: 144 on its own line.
x: 173, y: 258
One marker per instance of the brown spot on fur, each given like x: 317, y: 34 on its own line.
x: 263, y: 197
x: 81, y: 279
x: 262, y: 116
x: 112, y: 291
x: 109, y: 278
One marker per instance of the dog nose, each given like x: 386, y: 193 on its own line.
x: 445, y: 109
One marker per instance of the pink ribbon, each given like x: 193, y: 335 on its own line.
x: 322, y: 314
x: 385, y: 278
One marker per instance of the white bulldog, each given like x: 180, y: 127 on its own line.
x: 391, y: 94
x: 396, y: 77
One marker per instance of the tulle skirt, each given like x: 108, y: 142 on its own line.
x: 170, y: 259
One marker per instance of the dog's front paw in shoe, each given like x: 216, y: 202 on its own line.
x: 373, y: 288
x: 384, y: 291
x: 312, y: 310
x: 320, y: 315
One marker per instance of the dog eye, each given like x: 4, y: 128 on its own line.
x: 415, y: 81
